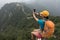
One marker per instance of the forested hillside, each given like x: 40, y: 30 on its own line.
x: 16, y: 22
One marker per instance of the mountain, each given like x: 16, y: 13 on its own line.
x: 14, y: 15
x: 14, y: 18
x: 16, y: 22
x: 13, y: 12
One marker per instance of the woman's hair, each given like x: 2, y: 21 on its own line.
x: 46, y: 17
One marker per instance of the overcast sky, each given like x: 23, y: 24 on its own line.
x: 52, y: 2
x: 55, y: 3
x: 2, y: 2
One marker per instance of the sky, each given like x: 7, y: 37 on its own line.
x: 2, y: 2
x: 52, y: 4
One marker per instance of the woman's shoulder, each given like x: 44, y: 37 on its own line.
x: 42, y: 20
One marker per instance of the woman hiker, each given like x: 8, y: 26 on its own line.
x: 43, y: 31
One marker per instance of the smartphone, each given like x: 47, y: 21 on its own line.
x: 34, y: 10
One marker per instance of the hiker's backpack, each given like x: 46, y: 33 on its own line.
x: 49, y: 25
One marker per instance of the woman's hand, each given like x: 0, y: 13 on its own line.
x: 35, y: 16
x: 37, y: 13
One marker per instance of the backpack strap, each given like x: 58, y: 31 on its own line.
x: 46, y: 26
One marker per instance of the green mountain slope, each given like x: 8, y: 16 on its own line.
x: 16, y: 22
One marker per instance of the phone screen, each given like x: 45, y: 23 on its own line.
x: 34, y: 10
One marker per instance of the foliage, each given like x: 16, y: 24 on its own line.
x: 14, y: 24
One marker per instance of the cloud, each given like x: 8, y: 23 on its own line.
x: 43, y: 2
x: 2, y: 2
